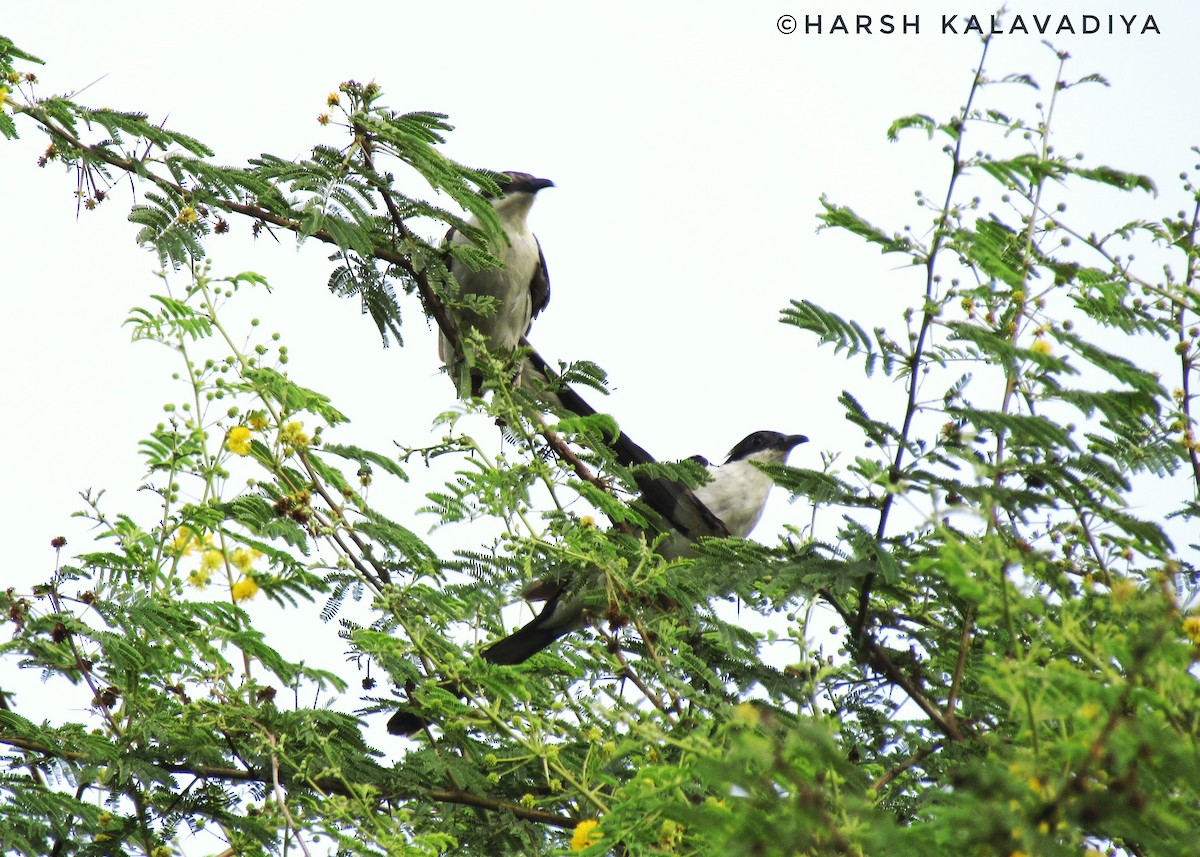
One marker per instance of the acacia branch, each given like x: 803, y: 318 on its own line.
x: 914, y: 759
x: 879, y: 659
x: 249, y: 775
x: 1187, y: 352
x: 676, y: 503
x: 915, y: 359
x: 960, y: 665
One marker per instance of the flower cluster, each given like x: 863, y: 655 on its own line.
x: 585, y: 834
x: 212, y: 558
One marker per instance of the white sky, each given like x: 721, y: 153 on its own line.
x: 689, y: 143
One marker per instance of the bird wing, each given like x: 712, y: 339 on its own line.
x: 539, y: 286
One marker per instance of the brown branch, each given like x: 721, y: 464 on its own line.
x: 882, y: 662
x: 84, y: 670
x: 675, y: 502
x: 1187, y: 354
x: 960, y: 665
x: 628, y: 672
x: 240, y: 775
x: 914, y: 759
x: 334, y: 531
x: 565, y: 453
x: 879, y: 659
x: 433, y: 303
x: 466, y: 798
x: 927, y: 318
x: 34, y: 770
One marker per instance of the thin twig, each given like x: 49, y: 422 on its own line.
x: 565, y: 453
x: 914, y: 759
x: 239, y: 775
x: 628, y: 672
x: 960, y: 665
x: 280, y: 797
x: 881, y: 661
x: 927, y: 317
x: 1187, y: 352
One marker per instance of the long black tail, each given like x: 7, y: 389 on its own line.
x: 524, y: 643
x: 406, y: 723
x: 673, y: 501
x: 557, y: 619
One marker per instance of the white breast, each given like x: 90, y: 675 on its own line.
x: 508, y: 285
x: 737, y: 495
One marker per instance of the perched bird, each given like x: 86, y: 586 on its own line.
x: 521, y: 287
x: 736, y: 493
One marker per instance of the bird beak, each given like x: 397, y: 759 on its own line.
x: 510, y: 183
x: 794, y: 440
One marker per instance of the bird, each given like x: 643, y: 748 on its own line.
x: 736, y: 493
x: 520, y: 287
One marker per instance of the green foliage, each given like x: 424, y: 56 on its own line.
x: 830, y: 328
x: 1012, y: 625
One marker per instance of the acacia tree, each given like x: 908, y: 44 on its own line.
x: 1012, y: 666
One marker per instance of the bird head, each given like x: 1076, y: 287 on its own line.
x: 768, y: 446
x: 512, y: 182
x: 518, y: 192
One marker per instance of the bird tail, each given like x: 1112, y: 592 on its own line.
x: 516, y: 648
x: 524, y: 643
x: 406, y: 723
x: 673, y: 501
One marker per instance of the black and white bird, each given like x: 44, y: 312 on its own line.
x: 521, y: 288
x: 736, y: 493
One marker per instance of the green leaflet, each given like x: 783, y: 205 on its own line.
x: 1024, y: 429
x: 365, y: 456
x: 292, y: 396
x: 845, y: 335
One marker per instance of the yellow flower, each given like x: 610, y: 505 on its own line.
x: 585, y: 834
x: 212, y: 560
x: 1191, y: 627
x: 188, y: 215
x: 3, y: 95
x: 1041, y: 346
x: 183, y: 542
x: 257, y: 423
x: 243, y: 558
x: 333, y: 99
x: 244, y: 589
x: 746, y: 714
x: 239, y: 441
x: 293, y: 434
x: 670, y: 835
x: 1123, y: 590
x: 199, y: 578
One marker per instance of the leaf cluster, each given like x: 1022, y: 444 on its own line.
x: 985, y: 631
